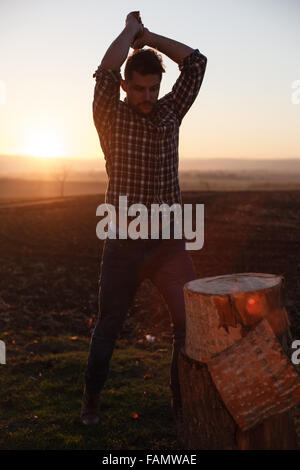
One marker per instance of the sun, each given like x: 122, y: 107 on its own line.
x: 43, y: 144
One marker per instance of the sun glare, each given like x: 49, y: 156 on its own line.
x: 44, y: 145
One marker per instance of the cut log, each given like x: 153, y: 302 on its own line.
x: 255, y: 377
x: 237, y: 383
x: 208, y: 425
x: 221, y: 310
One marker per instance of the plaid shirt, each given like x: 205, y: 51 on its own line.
x: 141, y: 152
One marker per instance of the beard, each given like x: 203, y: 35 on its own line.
x: 145, y: 108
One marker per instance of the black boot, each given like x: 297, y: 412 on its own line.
x: 90, y: 407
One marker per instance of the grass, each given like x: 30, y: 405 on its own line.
x: 41, y: 391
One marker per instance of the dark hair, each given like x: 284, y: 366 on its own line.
x: 145, y: 62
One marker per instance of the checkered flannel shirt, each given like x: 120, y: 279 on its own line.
x: 141, y: 152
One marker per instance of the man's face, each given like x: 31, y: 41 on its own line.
x: 142, y: 91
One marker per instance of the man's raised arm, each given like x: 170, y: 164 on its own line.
x: 175, y: 50
x: 191, y: 63
x: 108, y: 76
x: 117, y: 53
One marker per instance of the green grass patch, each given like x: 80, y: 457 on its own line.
x: 41, y: 389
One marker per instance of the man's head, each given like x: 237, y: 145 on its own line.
x: 143, y: 73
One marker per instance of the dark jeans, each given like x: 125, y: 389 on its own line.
x: 125, y: 263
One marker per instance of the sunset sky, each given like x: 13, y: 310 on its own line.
x: 50, y: 50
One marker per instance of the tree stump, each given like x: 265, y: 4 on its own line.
x: 237, y: 382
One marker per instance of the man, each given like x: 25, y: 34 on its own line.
x: 139, y: 139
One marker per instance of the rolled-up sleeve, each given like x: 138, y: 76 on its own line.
x: 106, y: 97
x: 187, y: 86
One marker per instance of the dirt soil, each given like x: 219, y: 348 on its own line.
x: 50, y: 259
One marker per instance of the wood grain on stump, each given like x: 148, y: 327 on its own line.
x: 237, y: 382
